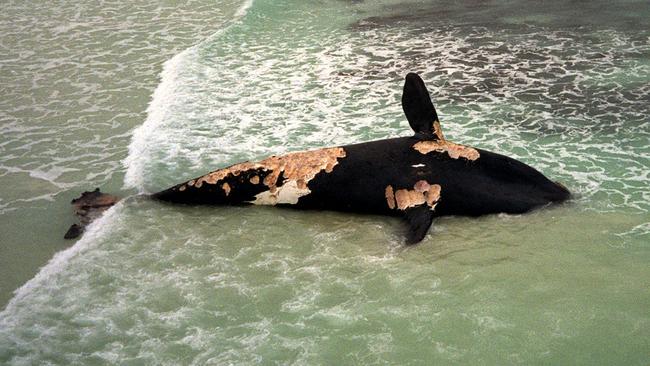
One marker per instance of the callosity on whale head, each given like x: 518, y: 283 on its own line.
x: 416, y: 177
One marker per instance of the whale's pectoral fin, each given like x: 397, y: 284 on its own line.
x: 419, y: 220
x: 417, y: 106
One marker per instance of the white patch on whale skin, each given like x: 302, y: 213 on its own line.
x: 288, y: 193
x: 418, y: 165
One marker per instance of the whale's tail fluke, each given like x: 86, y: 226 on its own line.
x: 88, y: 207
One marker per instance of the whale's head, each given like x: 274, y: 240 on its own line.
x: 473, y: 181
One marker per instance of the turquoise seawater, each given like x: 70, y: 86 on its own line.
x: 562, y: 86
x: 76, y: 78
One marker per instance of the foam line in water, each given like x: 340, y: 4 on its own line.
x: 156, y: 111
x: 160, y: 107
x: 59, y: 262
x: 241, y: 12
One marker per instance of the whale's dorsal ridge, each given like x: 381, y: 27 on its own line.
x: 418, y: 107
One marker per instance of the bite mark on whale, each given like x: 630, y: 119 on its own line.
x: 296, y: 169
x: 422, y: 193
x: 287, y: 193
x: 442, y: 145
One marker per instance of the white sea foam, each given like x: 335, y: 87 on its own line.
x: 59, y: 262
x: 339, y: 93
x: 146, y: 138
x: 69, y: 122
x: 232, y: 286
x: 241, y: 12
x: 42, y: 283
x: 161, y: 101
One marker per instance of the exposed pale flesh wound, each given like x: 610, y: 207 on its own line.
x: 297, y: 169
x: 439, y: 144
x: 390, y: 197
x: 226, y: 188
x: 422, y: 193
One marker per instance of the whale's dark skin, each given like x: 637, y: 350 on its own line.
x: 417, y: 177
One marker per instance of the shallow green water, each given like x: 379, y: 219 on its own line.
x: 76, y: 79
x: 158, y: 284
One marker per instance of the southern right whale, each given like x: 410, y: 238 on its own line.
x: 417, y: 177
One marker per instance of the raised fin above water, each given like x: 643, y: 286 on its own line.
x: 418, y: 107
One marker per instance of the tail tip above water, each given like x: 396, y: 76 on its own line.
x: 88, y: 207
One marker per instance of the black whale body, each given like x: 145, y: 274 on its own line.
x: 417, y: 177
